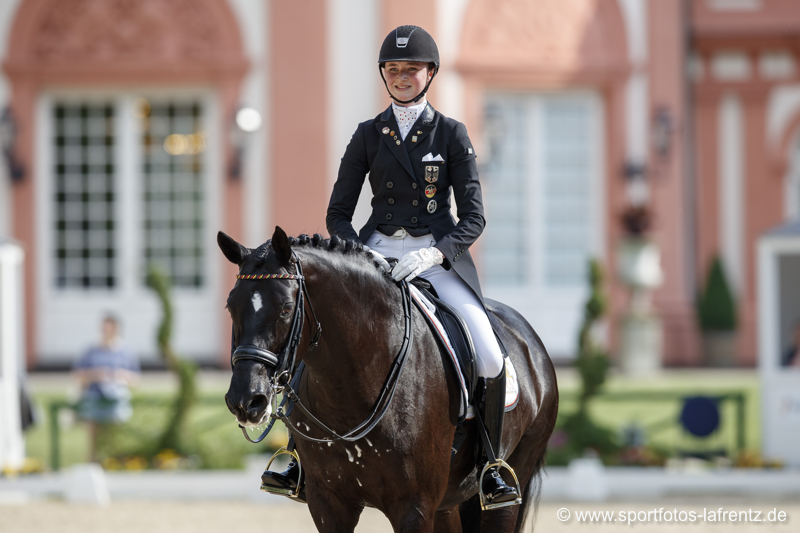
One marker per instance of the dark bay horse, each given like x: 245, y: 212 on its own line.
x: 403, y: 467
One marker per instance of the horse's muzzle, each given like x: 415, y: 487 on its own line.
x: 249, y: 411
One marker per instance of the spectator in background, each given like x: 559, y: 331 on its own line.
x: 791, y: 357
x: 105, y: 374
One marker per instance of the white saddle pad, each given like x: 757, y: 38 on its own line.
x: 512, y: 383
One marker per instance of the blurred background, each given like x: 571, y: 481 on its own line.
x: 640, y: 165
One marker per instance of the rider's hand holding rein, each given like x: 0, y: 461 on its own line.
x: 414, y: 263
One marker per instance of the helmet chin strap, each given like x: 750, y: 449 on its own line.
x: 414, y: 100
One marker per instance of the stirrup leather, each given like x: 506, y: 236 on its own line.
x: 294, y: 494
x: 485, y: 503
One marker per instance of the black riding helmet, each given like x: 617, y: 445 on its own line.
x: 409, y: 43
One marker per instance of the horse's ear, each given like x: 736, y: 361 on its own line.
x: 234, y: 251
x: 280, y: 243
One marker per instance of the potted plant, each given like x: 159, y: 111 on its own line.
x: 716, y: 315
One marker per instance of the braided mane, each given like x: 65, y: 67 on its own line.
x: 318, y: 242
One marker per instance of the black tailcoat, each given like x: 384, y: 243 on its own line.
x: 401, y: 194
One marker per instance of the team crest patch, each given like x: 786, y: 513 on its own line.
x: 431, y: 173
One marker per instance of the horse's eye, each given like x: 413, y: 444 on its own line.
x: 286, y: 309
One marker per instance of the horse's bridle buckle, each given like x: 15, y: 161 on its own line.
x: 280, y: 381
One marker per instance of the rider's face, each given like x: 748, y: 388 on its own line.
x: 406, y: 79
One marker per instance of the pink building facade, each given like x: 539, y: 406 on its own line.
x: 127, y: 153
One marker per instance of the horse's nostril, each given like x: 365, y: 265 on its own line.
x: 257, y: 405
x: 232, y: 406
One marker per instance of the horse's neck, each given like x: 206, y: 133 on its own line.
x: 362, y: 325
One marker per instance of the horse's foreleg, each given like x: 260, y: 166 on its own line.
x: 448, y: 521
x: 414, y: 517
x: 331, y: 512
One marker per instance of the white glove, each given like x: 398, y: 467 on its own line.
x: 414, y: 263
x: 384, y: 264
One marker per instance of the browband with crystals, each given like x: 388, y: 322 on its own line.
x: 268, y: 276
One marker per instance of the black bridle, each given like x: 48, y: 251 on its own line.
x: 286, y: 379
x: 285, y: 362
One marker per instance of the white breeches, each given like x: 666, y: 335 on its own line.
x: 453, y: 290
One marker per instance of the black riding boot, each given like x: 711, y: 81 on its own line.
x: 285, y: 482
x: 495, y: 489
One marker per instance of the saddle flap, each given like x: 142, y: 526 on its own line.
x: 451, y: 331
x: 460, y: 339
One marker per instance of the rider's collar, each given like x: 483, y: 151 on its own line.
x: 414, y: 109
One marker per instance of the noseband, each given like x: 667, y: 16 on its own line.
x: 283, y: 363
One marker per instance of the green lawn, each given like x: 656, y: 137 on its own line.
x: 660, y: 401
x: 213, y: 437
x: 217, y: 442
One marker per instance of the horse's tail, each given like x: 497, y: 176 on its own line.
x: 530, y: 499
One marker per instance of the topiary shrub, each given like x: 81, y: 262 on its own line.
x: 716, y: 307
x: 579, y: 432
x: 172, y: 437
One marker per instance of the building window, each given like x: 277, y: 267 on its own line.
x: 172, y: 145
x: 149, y: 209
x: 540, y: 180
x: 84, y: 194
x: 505, y: 253
x: 566, y: 190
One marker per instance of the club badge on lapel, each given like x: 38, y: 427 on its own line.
x: 431, y: 173
x: 430, y: 190
x: 431, y: 206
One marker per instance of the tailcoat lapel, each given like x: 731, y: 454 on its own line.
x: 423, y: 126
x: 399, y: 150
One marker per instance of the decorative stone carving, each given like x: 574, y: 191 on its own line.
x: 103, y: 31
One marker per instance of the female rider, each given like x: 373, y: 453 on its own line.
x: 414, y: 156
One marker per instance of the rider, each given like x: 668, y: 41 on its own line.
x: 415, y: 156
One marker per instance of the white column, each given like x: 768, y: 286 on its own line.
x: 12, y: 443
x: 637, y: 114
x: 449, y: 84
x: 355, y: 91
x: 731, y: 189
x: 8, y: 10
x: 254, y: 23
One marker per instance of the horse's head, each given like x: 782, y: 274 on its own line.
x: 262, y: 310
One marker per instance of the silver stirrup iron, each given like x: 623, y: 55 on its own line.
x: 485, y: 504
x: 283, y: 492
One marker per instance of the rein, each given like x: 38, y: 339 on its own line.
x: 287, y: 379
